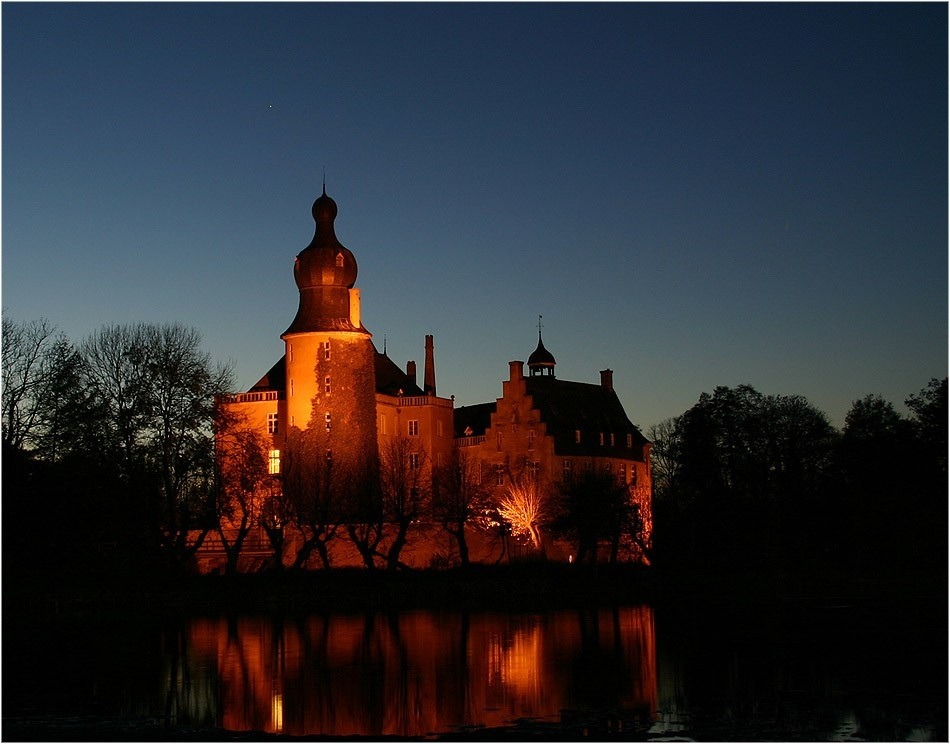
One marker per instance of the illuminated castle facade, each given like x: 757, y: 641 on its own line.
x: 353, y: 406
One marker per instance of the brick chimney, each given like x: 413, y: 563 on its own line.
x: 411, y: 371
x: 516, y: 370
x: 607, y: 379
x: 428, y: 385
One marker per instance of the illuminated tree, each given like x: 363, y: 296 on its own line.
x: 523, y: 508
x: 458, y: 498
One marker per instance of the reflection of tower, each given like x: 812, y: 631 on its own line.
x: 330, y: 383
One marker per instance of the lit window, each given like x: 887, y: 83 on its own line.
x: 326, y: 418
x: 326, y: 384
x: 577, y: 436
x: 273, y: 462
x: 601, y: 439
x: 272, y: 424
x: 326, y: 349
x: 413, y: 428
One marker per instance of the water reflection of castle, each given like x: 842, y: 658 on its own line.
x: 412, y: 674
x: 350, y: 399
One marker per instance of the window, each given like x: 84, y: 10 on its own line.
x: 290, y: 350
x: 291, y: 387
x: 607, y: 467
x: 326, y: 349
x: 534, y: 471
x: 339, y: 260
x: 413, y: 428
x: 567, y: 470
x: 577, y: 436
x: 622, y: 476
x: 612, y: 439
x: 530, y: 438
x: 383, y: 426
x: 629, y: 440
x: 601, y: 439
x: 499, y: 475
x: 588, y: 466
x: 438, y: 428
x: 413, y: 460
x: 272, y: 425
x: 633, y: 475
x: 326, y: 417
x: 326, y: 384
x: 273, y: 462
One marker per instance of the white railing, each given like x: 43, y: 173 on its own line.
x: 250, y: 397
x: 469, y: 441
x: 420, y: 400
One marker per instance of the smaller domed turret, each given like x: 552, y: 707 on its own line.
x: 541, y: 361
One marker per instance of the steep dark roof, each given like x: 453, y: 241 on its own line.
x: 471, y: 421
x: 391, y: 380
x: 567, y: 407
x: 275, y: 379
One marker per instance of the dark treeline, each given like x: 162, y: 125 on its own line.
x: 109, y: 470
x: 750, y: 480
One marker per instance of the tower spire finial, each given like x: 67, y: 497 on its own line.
x: 539, y: 326
x: 324, y: 180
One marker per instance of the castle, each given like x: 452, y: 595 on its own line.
x: 334, y: 413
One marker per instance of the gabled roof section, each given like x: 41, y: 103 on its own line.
x: 472, y: 421
x: 568, y: 407
x: 391, y: 380
x: 275, y: 379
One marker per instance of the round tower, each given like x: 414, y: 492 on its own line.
x: 331, y: 386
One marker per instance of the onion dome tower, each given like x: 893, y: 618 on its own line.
x: 330, y: 389
x: 541, y: 362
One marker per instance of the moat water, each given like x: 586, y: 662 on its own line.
x: 826, y: 671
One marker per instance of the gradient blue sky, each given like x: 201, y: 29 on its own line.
x: 691, y: 195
